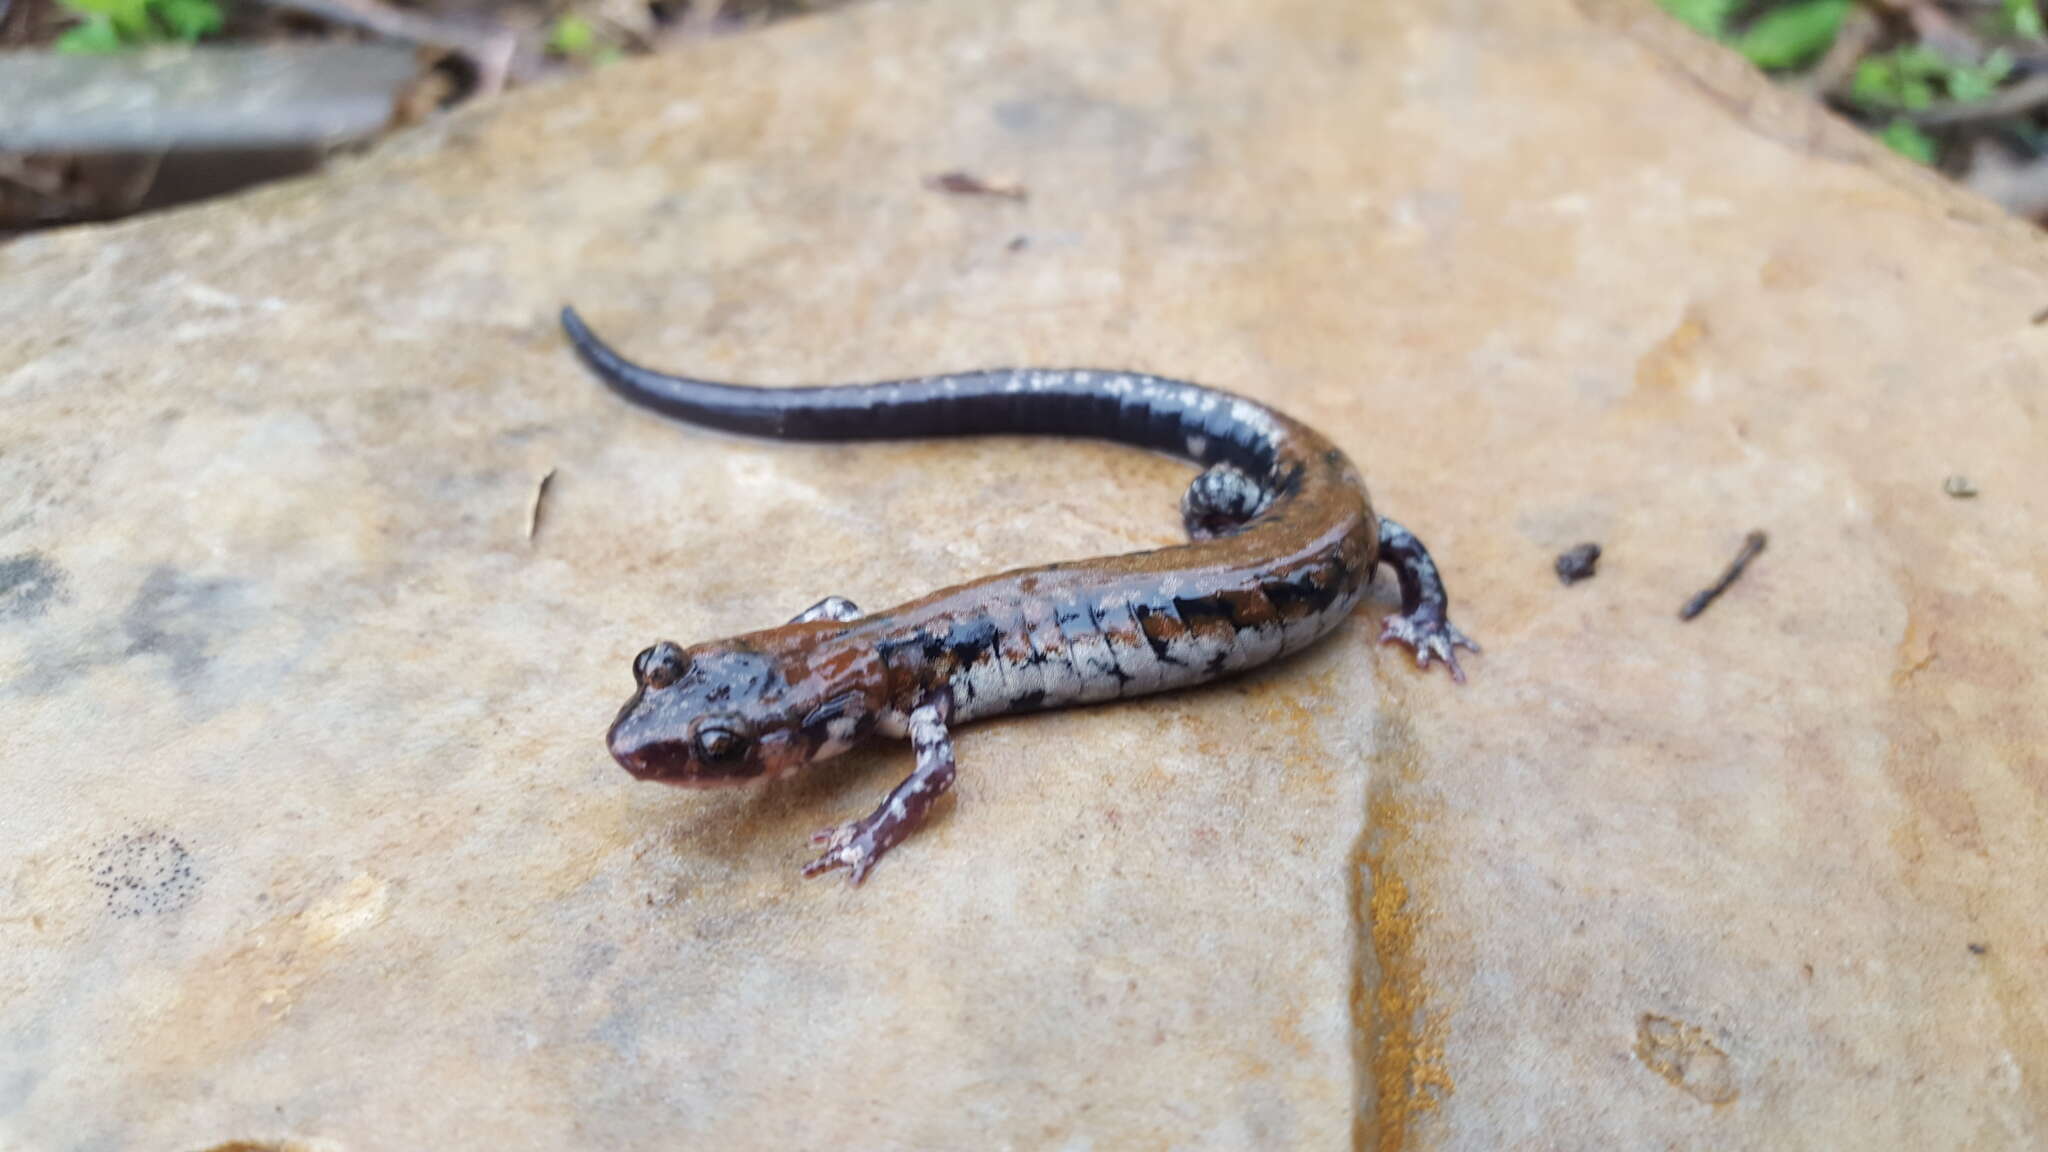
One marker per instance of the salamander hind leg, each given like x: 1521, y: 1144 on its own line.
x: 1220, y: 501
x: 856, y: 846
x: 1424, y: 622
x: 830, y: 608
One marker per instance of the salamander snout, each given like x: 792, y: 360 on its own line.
x: 694, y: 715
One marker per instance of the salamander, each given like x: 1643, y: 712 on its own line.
x: 1283, y: 544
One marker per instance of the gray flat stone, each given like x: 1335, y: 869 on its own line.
x: 271, y: 96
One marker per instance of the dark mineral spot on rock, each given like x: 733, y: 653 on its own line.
x: 144, y: 873
x: 174, y: 616
x: 28, y: 583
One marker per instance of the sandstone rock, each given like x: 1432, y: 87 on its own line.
x: 312, y: 838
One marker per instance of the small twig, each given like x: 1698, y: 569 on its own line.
x: 2021, y: 98
x: 540, y: 494
x: 1751, y: 545
x: 968, y: 184
x: 1859, y: 34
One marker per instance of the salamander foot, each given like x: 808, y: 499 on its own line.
x: 1428, y: 633
x: 1424, y: 621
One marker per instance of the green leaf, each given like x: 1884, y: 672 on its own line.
x: 95, y: 37
x: 1706, y: 16
x: 1908, y: 141
x: 572, y: 36
x: 1903, y: 78
x: 2024, y: 18
x: 1794, y: 34
x: 1978, y: 83
x: 129, y: 18
x: 188, y: 20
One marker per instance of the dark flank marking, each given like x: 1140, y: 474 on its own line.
x: 1075, y: 621
x: 1352, y: 570
x: 1159, y: 629
x: 1292, y: 601
x: 28, y: 583
x: 1249, y: 608
x: 1202, y: 613
x: 970, y: 640
x: 1015, y: 645
x: 891, y: 649
x: 926, y: 647
x: 1302, y: 593
x: 1116, y: 667
x: 1029, y: 701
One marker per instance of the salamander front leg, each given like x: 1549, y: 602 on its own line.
x: 1424, y: 623
x: 830, y: 608
x: 858, y: 845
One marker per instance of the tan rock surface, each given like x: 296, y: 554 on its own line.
x: 311, y: 838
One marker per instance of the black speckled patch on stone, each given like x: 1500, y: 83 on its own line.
x: 144, y: 873
x: 29, y: 583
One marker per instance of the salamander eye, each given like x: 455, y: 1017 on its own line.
x: 720, y: 746
x: 659, y: 666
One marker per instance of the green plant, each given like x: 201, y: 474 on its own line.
x: 1792, y: 35
x: 1705, y: 16
x: 1912, y: 78
x: 2022, y: 18
x: 1787, y: 35
x: 577, y: 39
x: 1906, y: 138
x: 117, y: 25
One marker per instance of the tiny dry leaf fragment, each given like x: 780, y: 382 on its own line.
x: 540, y: 495
x: 1959, y: 486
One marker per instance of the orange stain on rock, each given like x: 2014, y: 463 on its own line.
x: 1402, y: 1059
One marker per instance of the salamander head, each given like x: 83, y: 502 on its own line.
x: 726, y: 713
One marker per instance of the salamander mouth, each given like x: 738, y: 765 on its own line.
x: 668, y: 762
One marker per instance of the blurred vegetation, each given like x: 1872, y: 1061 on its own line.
x: 113, y: 25
x: 1959, y: 84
